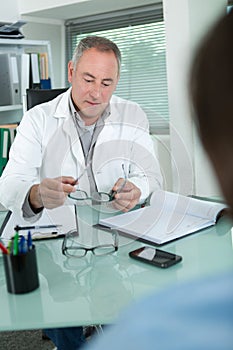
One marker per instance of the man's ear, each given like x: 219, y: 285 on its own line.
x: 70, y: 71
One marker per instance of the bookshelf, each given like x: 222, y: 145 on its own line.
x: 14, y: 113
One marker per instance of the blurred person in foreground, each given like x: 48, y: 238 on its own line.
x: 198, y: 314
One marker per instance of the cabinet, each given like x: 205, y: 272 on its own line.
x: 13, y: 113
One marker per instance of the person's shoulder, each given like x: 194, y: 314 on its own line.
x: 57, y: 103
x: 119, y: 100
x: 127, y: 110
x: 57, y: 107
x: 195, y: 308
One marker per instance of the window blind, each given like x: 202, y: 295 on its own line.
x: 140, y: 35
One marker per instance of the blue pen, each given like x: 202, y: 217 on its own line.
x: 29, y: 240
x: 22, y: 245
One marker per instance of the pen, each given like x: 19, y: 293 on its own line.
x: 29, y: 240
x: 3, y: 248
x: 36, y: 227
x: 113, y: 193
x: 15, y: 244
x: 22, y: 245
x: 9, y: 247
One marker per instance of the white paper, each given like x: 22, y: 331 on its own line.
x: 64, y: 216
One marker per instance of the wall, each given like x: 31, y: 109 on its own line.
x: 185, y: 23
x: 32, y: 6
x: 67, y: 9
x: 9, y: 11
x: 163, y: 154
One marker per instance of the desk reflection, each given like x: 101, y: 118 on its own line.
x: 102, y: 281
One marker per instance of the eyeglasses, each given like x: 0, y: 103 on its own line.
x: 98, y: 197
x: 72, y: 248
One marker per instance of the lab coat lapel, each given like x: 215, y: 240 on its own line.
x: 76, y: 149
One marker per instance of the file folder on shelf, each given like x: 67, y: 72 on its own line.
x: 25, y: 74
x: 34, y: 71
x: 45, y: 81
x: 45, y: 84
x: 39, y: 71
x: 9, y: 80
x: 4, y: 148
x: 44, y: 66
x: 7, y: 135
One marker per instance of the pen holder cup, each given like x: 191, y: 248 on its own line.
x: 21, y: 272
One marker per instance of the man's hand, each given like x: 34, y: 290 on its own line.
x: 51, y: 193
x: 127, y: 197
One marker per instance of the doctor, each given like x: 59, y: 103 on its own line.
x: 85, y: 131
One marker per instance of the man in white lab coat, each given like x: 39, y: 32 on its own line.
x: 86, y: 128
x: 85, y: 125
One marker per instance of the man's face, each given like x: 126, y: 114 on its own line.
x: 93, y: 83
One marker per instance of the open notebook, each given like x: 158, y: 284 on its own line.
x: 52, y: 224
x: 169, y: 216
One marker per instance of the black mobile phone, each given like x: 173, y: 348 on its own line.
x: 155, y: 256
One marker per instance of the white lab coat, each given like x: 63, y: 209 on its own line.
x: 47, y: 145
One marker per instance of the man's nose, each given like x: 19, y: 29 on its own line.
x: 95, y: 91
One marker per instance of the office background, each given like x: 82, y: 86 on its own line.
x: 183, y: 160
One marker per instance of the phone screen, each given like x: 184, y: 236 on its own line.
x: 155, y: 257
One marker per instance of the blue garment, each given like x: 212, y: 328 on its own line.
x: 191, y: 316
x: 71, y: 338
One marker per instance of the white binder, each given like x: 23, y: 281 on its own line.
x: 35, y: 72
x: 25, y: 74
x: 9, y: 80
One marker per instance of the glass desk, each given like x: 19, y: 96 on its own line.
x: 93, y: 290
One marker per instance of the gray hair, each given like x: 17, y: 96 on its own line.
x: 99, y: 43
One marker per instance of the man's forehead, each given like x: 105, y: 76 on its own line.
x: 93, y: 61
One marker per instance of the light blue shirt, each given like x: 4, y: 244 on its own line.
x: 194, y: 316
